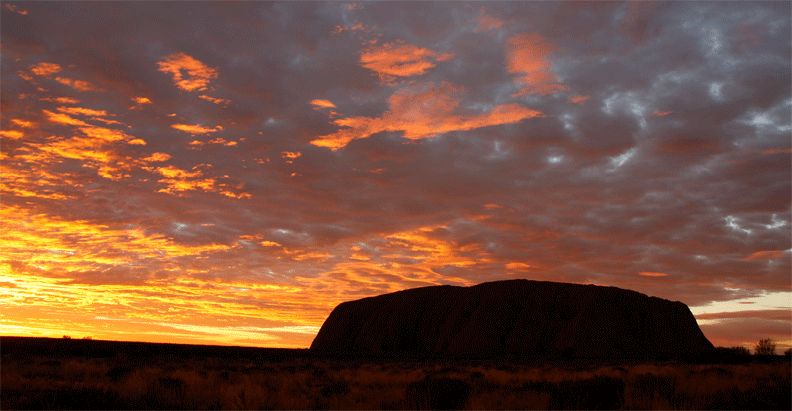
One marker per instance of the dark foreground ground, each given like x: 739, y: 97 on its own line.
x: 42, y: 373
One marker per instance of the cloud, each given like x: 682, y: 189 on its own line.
x: 178, y: 180
x: 215, y: 100
x: 578, y: 99
x: 198, y: 74
x: 82, y: 111
x: 62, y: 100
x: 45, y: 69
x: 318, y: 104
x: 222, y: 141
x: 12, y: 134
x: 196, y: 128
x: 22, y: 123
x: 651, y: 274
x: 396, y: 59
x: 527, y: 55
x: 15, y: 9
x: 64, y: 119
x: 766, y: 255
x: 486, y: 23
x: 784, y: 314
x: 156, y: 157
x: 78, y: 85
x: 423, y: 111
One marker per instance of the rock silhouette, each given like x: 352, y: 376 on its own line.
x: 532, y: 318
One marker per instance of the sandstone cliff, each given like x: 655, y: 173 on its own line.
x: 533, y: 318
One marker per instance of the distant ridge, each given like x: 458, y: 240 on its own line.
x: 529, y: 318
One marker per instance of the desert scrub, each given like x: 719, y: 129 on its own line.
x: 174, y: 382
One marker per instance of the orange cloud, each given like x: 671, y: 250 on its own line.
x: 156, y: 157
x: 784, y: 314
x: 62, y: 100
x: 142, y: 100
x: 486, y: 23
x: 215, y: 100
x: 660, y: 113
x: 78, y: 148
x: 222, y: 141
x: 95, y: 150
x: 399, y: 60
x: 178, y: 180
x: 106, y: 134
x: 45, y: 69
x: 423, y: 111
x: 106, y: 121
x: 318, y: 104
x: 289, y: 154
x: 64, y: 119
x: 174, y: 172
x: 578, y: 99
x: 12, y: 134
x: 15, y: 9
x: 649, y: 274
x: 82, y: 111
x: 404, y: 259
x: 196, y: 129
x: 44, y: 247
x: 517, y: 266
x: 198, y: 74
x: 765, y: 255
x: 527, y: 56
x: 181, y: 180
x: 776, y: 151
x: 78, y: 85
x: 22, y: 123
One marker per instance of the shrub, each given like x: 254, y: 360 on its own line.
x: 437, y: 394
x: 788, y: 352
x: 765, y: 347
x: 733, y: 350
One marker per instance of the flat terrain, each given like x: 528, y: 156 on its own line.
x: 42, y: 373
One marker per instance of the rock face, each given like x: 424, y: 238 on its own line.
x: 531, y: 318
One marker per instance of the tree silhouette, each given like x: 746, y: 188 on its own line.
x: 765, y: 347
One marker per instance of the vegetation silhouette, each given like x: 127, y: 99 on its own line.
x: 765, y: 347
x: 41, y: 373
x: 732, y: 351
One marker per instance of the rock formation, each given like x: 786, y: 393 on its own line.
x: 531, y: 318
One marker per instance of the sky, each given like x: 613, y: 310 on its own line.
x: 227, y: 173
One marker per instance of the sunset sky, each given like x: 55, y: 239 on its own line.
x: 227, y: 173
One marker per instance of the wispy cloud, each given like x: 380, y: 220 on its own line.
x: 528, y: 56
x: 423, y: 111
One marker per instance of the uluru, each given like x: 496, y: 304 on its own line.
x: 523, y: 317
